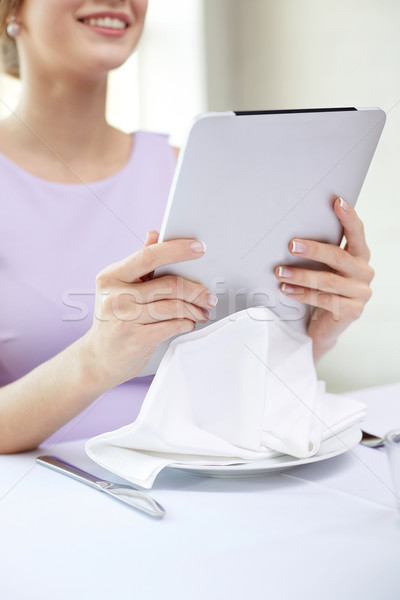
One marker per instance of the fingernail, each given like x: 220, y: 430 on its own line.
x: 284, y: 272
x: 198, y: 247
x: 206, y: 313
x: 212, y: 300
x: 344, y: 205
x: 289, y: 289
x: 298, y: 247
x: 285, y: 287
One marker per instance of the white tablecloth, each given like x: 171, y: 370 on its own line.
x: 327, y: 530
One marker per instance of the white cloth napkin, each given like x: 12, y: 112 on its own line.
x: 241, y: 389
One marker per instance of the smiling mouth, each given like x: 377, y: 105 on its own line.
x: 105, y: 23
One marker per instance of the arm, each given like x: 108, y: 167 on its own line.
x: 133, y: 315
x: 339, y: 295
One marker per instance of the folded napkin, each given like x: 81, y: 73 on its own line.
x: 242, y: 389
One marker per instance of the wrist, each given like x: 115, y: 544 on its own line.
x: 89, y: 366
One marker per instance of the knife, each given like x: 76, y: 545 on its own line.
x: 125, y: 493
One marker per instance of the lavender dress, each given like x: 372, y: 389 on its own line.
x: 54, y: 238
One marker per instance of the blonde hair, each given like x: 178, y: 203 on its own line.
x: 9, y: 61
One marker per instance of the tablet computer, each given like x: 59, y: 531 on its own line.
x: 248, y: 182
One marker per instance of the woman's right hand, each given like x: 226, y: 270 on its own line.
x: 134, y: 313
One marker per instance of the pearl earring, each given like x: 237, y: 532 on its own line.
x: 13, y: 28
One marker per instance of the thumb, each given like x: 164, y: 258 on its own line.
x: 152, y: 237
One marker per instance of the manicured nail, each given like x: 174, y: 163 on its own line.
x: 298, y: 247
x: 344, y: 205
x: 206, y: 313
x: 212, y: 300
x: 198, y: 247
x: 289, y: 289
x: 284, y: 272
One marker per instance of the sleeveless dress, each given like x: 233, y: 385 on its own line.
x: 54, y: 239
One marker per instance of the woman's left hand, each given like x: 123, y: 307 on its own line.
x: 339, y: 295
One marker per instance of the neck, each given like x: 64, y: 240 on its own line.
x: 55, y: 116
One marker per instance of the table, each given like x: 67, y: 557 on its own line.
x: 326, y: 530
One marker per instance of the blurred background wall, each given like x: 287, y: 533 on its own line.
x: 199, y: 55
x: 297, y: 54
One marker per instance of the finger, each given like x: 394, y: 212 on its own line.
x: 163, y: 310
x: 334, y: 257
x: 323, y: 281
x: 155, y: 333
x: 150, y: 258
x: 342, y: 309
x: 170, y: 287
x: 151, y: 238
x: 353, y: 229
x: 150, y: 336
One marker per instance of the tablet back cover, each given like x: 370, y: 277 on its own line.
x: 247, y: 183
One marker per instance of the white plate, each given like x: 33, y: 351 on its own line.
x: 333, y: 446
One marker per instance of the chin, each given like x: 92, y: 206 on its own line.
x: 108, y: 62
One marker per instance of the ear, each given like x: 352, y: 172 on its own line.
x: 15, y: 9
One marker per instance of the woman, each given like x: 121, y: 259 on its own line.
x: 78, y: 195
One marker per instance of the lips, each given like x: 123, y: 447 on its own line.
x: 108, y: 23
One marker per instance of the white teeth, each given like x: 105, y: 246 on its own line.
x: 106, y: 22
